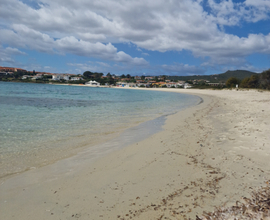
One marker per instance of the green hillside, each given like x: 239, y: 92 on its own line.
x: 223, y: 77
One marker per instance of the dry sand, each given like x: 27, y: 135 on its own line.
x: 207, y: 156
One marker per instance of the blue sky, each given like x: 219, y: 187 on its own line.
x: 136, y: 37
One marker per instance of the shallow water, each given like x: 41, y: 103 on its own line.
x: 42, y: 123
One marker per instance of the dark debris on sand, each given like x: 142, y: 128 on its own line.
x: 256, y: 207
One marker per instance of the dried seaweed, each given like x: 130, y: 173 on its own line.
x: 256, y: 207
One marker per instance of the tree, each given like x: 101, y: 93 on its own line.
x: 123, y: 76
x: 163, y: 77
x: 88, y: 74
x: 98, y: 75
x: 245, y: 83
x: 264, y: 80
x: 232, y: 82
x: 253, y: 81
x: 128, y: 76
x: 109, y: 75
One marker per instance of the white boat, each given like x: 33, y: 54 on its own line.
x: 92, y: 83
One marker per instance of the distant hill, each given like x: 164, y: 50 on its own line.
x: 222, y: 77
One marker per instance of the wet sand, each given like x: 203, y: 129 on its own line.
x: 210, y: 155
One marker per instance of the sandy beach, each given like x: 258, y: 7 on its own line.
x: 208, y: 156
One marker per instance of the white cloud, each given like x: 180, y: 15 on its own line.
x: 230, y: 13
x: 258, y: 3
x: 13, y: 51
x: 26, y: 37
x: 89, y: 28
x: 7, y: 53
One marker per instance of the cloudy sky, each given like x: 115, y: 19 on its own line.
x: 151, y: 37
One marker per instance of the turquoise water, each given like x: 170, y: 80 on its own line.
x: 42, y: 123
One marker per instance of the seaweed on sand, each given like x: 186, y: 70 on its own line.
x: 256, y: 207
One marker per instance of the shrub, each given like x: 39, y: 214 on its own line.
x: 264, y: 80
x: 232, y: 82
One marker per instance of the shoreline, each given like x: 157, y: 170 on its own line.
x: 66, y: 148
x: 207, y: 155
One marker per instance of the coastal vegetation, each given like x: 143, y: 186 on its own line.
x: 233, y: 82
x: 215, y: 78
x: 256, y: 81
x: 261, y: 81
x: 229, y: 79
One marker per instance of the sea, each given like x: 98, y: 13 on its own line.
x: 44, y: 123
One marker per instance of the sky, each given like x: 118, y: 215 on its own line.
x: 136, y: 37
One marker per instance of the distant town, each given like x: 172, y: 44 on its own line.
x: 88, y: 78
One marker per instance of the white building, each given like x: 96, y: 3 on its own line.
x: 171, y: 84
x: 76, y: 78
x: 37, y: 77
x: 125, y: 84
x: 26, y: 76
x: 187, y: 86
x: 58, y: 77
x: 92, y: 83
x: 121, y: 84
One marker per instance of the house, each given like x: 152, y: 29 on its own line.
x: 137, y: 77
x: 121, y: 84
x: 11, y: 69
x: 187, y: 86
x: 143, y: 85
x: 92, y: 83
x: 65, y: 77
x: 58, y: 77
x: 26, y: 76
x: 158, y: 84
x: 131, y: 85
x: 76, y: 78
x: 37, y: 77
x: 181, y: 83
x: 125, y: 84
x: 3, y: 73
x: 171, y: 84
x: 125, y: 79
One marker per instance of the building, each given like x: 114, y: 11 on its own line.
x: 26, y: 76
x: 171, y: 84
x: 11, y: 69
x: 137, y: 77
x: 76, y: 78
x: 158, y: 84
x: 187, y: 86
x: 39, y: 76
x: 58, y: 77
x: 125, y: 84
x: 121, y: 84
x: 92, y: 83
